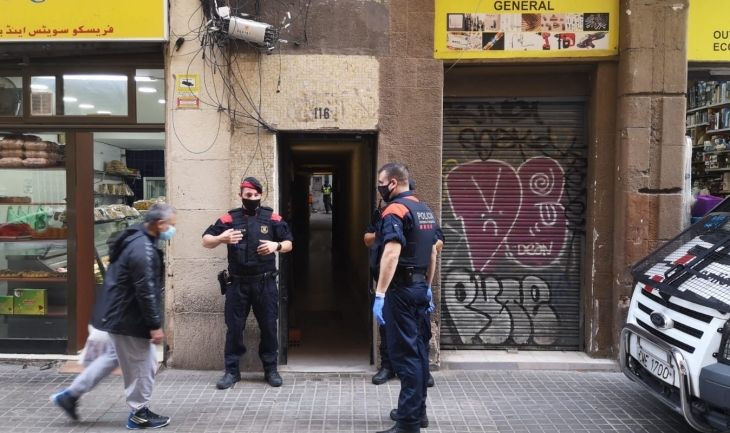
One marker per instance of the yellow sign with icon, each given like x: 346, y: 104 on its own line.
x: 83, y: 20
x: 476, y: 29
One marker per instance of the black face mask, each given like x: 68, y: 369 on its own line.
x: 251, y: 205
x: 384, y: 192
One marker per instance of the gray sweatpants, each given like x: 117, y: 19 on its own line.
x: 138, y: 359
x: 99, y: 368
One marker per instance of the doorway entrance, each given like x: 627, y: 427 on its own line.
x: 326, y: 188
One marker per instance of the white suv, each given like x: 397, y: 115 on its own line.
x: 676, y: 339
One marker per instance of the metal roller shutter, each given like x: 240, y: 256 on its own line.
x: 514, y: 219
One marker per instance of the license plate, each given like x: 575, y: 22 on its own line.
x: 656, y: 366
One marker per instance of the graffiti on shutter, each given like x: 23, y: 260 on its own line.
x: 514, y: 205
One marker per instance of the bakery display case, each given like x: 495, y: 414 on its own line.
x: 33, y: 243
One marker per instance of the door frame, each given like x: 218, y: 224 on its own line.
x: 284, y: 141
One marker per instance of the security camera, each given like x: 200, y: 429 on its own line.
x: 251, y: 31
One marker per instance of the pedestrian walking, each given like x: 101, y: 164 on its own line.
x: 130, y: 311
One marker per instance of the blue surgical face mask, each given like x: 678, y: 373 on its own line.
x: 168, y: 234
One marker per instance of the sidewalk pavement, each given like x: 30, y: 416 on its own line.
x: 462, y: 401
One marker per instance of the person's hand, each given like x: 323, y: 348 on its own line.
x: 230, y: 236
x: 431, y: 307
x: 267, y: 247
x: 156, y: 336
x: 378, y: 310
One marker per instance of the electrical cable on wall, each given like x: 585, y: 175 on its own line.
x: 222, y: 38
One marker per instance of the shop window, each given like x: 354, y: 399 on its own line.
x: 95, y: 95
x: 11, y: 96
x: 43, y: 96
x: 124, y: 164
x: 33, y: 242
x: 150, y: 88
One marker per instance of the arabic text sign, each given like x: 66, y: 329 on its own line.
x: 474, y: 29
x: 709, y: 30
x: 82, y: 20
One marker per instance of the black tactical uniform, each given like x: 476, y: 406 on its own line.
x: 253, y: 283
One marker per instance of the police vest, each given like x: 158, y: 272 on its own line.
x: 242, y: 257
x: 420, y: 236
x: 327, y: 190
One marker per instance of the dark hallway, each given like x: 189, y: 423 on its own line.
x: 326, y: 305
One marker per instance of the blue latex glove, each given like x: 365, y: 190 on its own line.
x: 378, y: 310
x: 431, y: 306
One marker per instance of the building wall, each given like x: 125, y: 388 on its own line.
x: 379, y: 77
x: 650, y: 136
x: 385, y: 80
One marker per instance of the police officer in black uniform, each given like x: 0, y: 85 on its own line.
x: 252, y: 234
x: 408, y: 229
x: 375, y: 248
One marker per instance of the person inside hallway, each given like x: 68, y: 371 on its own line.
x: 407, y: 230
x: 130, y: 310
x: 252, y: 235
x: 327, y: 196
x: 385, y: 372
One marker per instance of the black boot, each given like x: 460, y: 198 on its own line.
x: 396, y: 429
x: 430, y: 383
x: 273, y: 378
x: 383, y: 375
x: 228, y: 380
x: 424, y: 418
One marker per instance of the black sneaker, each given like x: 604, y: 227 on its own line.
x: 424, y: 418
x: 227, y: 380
x: 383, y: 375
x: 67, y: 402
x: 273, y: 378
x: 145, y: 418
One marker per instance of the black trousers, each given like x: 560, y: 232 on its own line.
x: 327, y: 203
x: 408, y: 331
x: 262, y: 296
x: 384, y: 358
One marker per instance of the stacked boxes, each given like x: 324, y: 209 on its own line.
x: 31, y: 302
x: 6, y: 304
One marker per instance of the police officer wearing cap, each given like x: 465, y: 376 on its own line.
x: 408, y: 231
x: 252, y: 234
x: 375, y: 248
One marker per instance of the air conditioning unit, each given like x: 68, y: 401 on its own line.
x: 41, y: 104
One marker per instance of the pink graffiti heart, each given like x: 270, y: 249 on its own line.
x: 513, y: 213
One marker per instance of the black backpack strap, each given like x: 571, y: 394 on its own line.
x: 239, y: 219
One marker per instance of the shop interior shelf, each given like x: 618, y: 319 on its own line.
x: 706, y: 107
x: 104, y: 173
x: 717, y: 170
x: 53, y: 311
x: 32, y: 280
x: 694, y: 110
x: 55, y: 167
x: 101, y: 194
x: 698, y: 125
x: 6, y: 240
x: 115, y: 220
x: 718, y: 131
